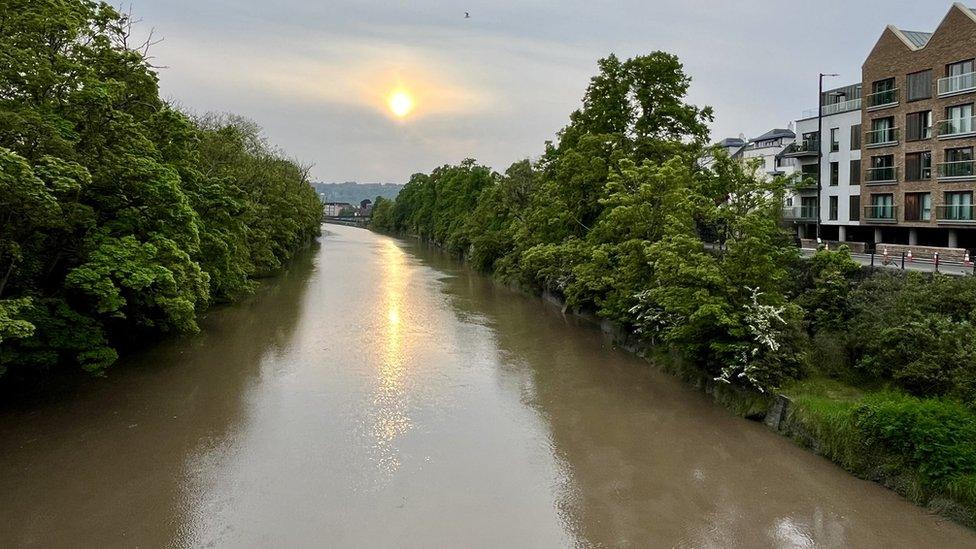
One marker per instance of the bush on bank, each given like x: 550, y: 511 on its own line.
x: 121, y: 217
x: 627, y: 214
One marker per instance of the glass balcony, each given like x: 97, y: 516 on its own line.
x: 963, y: 169
x: 800, y: 213
x: 881, y: 138
x: 841, y: 106
x: 880, y: 213
x: 957, y: 127
x: 882, y: 99
x: 887, y: 174
x: 806, y: 147
x: 955, y: 213
x: 960, y: 83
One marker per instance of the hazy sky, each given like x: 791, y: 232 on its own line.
x: 495, y: 87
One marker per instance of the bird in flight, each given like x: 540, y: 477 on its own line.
x: 467, y: 15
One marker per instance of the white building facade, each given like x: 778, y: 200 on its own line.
x: 839, y: 170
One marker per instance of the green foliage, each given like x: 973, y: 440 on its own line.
x: 936, y: 437
x: 923, y: 447
x: 833, y: 274
x: 119, y: 214
x: 917, y: 332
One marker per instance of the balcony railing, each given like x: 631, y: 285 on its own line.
x: 881, y: 99
x: 962, y: 169
x: 881, y: 137
x: 805, y: 181
x: 959, y: 83
x: 957, y: 127
x: 805, y: 147
x: 835, y: 108
x: 800, y: 213
x: 841, y: 106
x: 887, y: 174
x: 956, y: 213
x: 881, y: 213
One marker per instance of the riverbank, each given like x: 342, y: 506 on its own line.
x: 924, y: 449
x: 906, y: 444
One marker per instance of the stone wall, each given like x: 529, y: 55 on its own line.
x: 926, y: 253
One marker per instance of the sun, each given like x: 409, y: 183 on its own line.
x: 401, y: 103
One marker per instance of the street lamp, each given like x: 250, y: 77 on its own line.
x: 820, y: 143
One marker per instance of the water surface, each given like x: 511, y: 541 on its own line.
x: 381, y: 395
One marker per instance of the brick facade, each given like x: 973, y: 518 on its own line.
x: 896, y: 56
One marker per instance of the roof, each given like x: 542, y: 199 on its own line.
x: 775, y: 133
x: 917, y: 38
x: 731, y: 142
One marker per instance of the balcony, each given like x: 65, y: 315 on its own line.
x: 882, y: 99
x: 957, y: 213
x: 835, y: 108
x: 881, y: 213
x: 961, y: 170
x: 882, y: 175
x: 806, y: 182
x: 957, y: 127
x: 883, y: 137
x: 960, y: 83
x: 800, y: 213
x: 806, y: 147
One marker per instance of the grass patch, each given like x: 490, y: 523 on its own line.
x: 923, y: 448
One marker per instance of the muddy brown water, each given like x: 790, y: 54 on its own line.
x: 378, y: 394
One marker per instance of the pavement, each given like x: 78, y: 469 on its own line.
x: 925, y: 265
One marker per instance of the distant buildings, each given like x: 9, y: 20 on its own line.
x: 334, y: 209
x: 896, y: 162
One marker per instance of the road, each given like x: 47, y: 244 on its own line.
x: 925, y: 265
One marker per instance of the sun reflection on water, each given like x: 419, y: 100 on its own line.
x: 390, y: 417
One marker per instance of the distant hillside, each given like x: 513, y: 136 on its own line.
x: 354, y: 193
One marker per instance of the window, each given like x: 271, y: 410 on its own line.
x: 834, y: 139
x: 856, y: 137
x: 960, y: 68
x: 959, y: 120
x: 834, y: 174
x: 855, y: 204
x: 810, y: 175
x: 959, y: 206
x: 882, y: 168
x: 789, y: 201
x: 883, y: 93
x: 808, y: 207
x: 855, y: 175
x: 919, y: 85
x: 918, y: 126
x: 958, y: 163
x: 882, y: 206
x: 833, y: 208
x: 918, y: 206
x: 882, y: 131
x: 918, y: 166
x: 810, y: 142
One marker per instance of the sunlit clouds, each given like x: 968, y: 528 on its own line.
x: 319, y: 75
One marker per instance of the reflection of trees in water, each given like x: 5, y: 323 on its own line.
x: 121, y: 446
x: 646, y: 459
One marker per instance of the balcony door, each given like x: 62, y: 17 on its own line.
x: 959, y: 206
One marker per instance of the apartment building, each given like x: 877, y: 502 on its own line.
x: 918, y: 135
x: 838, y: 169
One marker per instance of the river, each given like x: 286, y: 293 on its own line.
x: 378, y: 394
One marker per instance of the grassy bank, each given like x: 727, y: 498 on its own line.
x: 922, y: 448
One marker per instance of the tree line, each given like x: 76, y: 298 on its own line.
x: 628, y: 213
x: 122, y: 217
